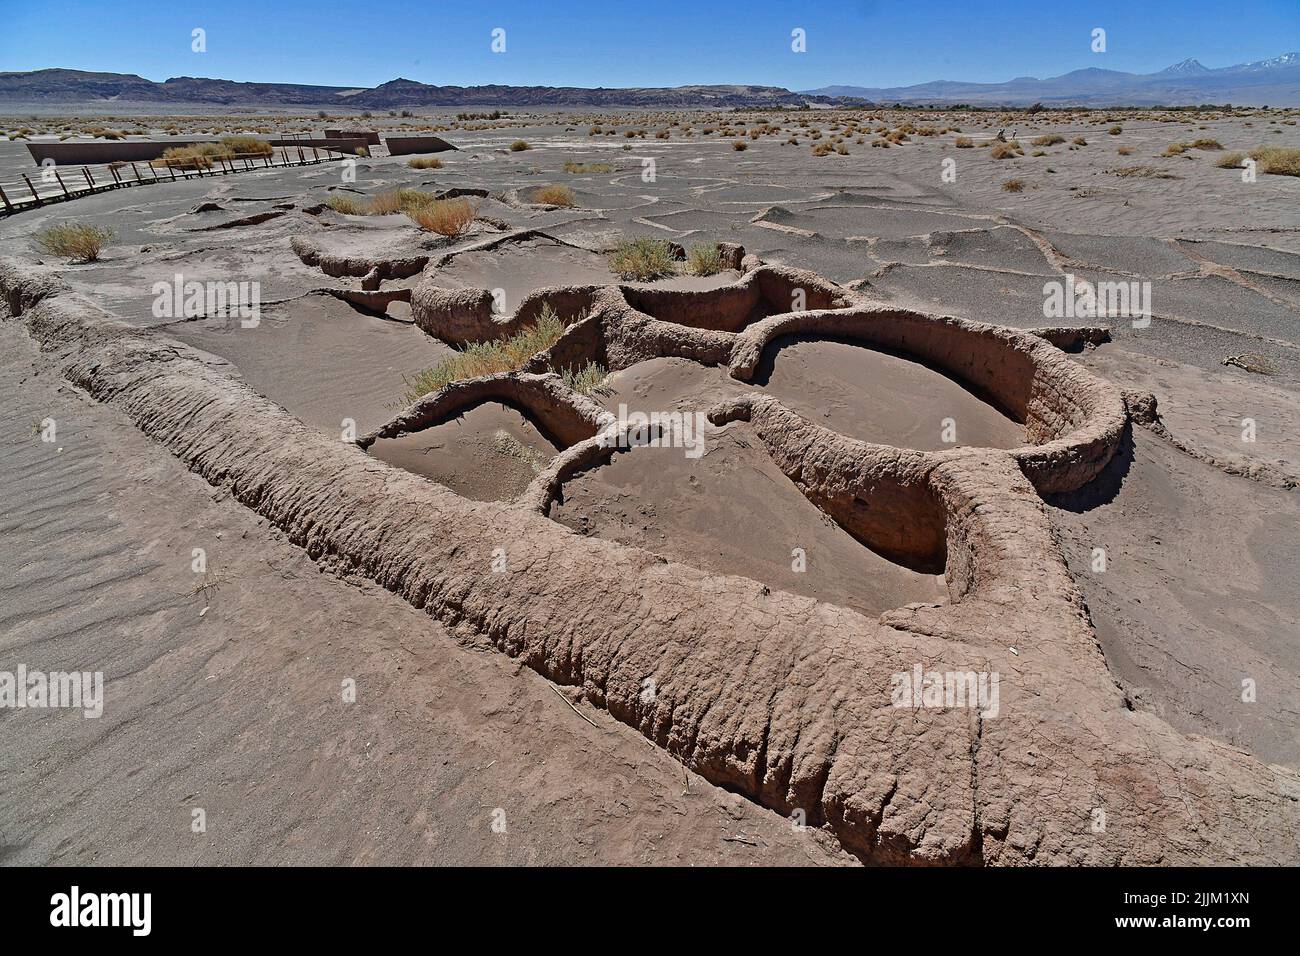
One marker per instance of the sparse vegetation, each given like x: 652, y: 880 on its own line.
x: 425, y: 162
x: 508, y: 354
x: 740, y: 146
x: 1230, y: 160
x: 964, y: 142
x: 581, y: 168
x: 589, y: 380
x: 446, y: 217
x: 519, y: 145
x: 1051, y: 139
x: 1175, y: 149
x: 1278, y: 160
x: 642, y: 259
x: 704, y: 259
x: 555, y: 196
x: 78, y: 242
x: 1013, y: 186
x: 1006, y: 150
x: 1115, y: 130
x: 1206, y: 143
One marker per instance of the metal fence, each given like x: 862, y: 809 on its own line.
x: 54, y: 184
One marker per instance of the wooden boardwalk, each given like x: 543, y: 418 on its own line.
x: 55, y: 184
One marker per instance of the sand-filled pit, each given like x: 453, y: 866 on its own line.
x: 321, y: 359
x: 878, y: 397
x: 489, y: 453
x: 732, y: 511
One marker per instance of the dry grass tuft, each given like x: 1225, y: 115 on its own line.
x: 704, y: 259
x: 1006, y: 150
x: 1230, y: 160
x: 519, y: 145
x: 425, y: 162
x: 1278, y: 160
x: 446, y: 217
x: 1049, y: 140
x: 964, y: 142
x: 1013, y: 186
x: 642, y: 259
x: 77, y: 242
x: 555, y: 196
x: 740, y: 146
x: 580, y: 168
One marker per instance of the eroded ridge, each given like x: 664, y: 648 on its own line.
x: 776, y: 696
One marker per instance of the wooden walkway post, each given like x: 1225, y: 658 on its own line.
x: 89, y: 181
x: 138, y: 178
x: 66, y: 194
x: 35, y: 194
x: 8, y: 205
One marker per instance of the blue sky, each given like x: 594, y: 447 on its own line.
x: 645, y: 43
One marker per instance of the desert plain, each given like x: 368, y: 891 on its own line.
x: 441, y: 620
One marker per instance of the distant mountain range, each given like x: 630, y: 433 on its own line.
x: 72, y: 87
x: 1274, y: 82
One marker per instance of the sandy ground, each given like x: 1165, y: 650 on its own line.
x: 238, y: 711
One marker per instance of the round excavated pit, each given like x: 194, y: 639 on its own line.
x: 489, y: 453
x: 879, y: 397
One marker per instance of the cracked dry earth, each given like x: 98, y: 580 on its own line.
x: 627, y: 567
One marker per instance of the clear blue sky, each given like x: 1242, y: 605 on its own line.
x: 643, y: 43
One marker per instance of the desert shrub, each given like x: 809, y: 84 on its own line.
x: 1175, y: 149
x: 245, y: 146
x: 822, y: 149
x: 78, y: 242
x: 425, y: 162
x: 579, y: 168
x: 519, y: 145
x: 1125, y: 150
x: 446, y: 217
x: 1206, y: 143
x: 1115, y: 130
x: 1049, y: 140
x: 704, y: 259
x: 740, y: 146
x: 200, y: 156
x: 1013, y: 186
x: 642, y: 259
x: 1079, y: 141
x: 1006, y: 150
x: 964, y: 142
x: 348, y: 205
x: 1230, y: 160
x: 589, y: 380
x: 508, y: 354
x: 1278, y: 160
x: 555, y: 196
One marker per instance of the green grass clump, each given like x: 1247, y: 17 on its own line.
x: 508, y: 354
x: 591, y: 379
x: 642, y: 259
x: 75, y: 241
x: 704, y: 260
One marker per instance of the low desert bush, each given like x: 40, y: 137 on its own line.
x: 446, y: 217
x: 642, y: 259
x: 1175, y: 149
x: 77, y: 242
x: 964, y: 142
x: 425, y: 162
x: 1013, y: 186
x: 1230, y: 160
x: 1079, y: 141
x: 704, y: 259
x: 589, y: 380
x: 1049, y: 140
x: 740, y: 146
x: 508, y: 354
x: 555, y: 196
x: 519, y: 145
x: 1006, y: 150
x: 1115, y: 130
x: 579, y: 168
x: 1206, y: 143
x: 1278, y: 160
